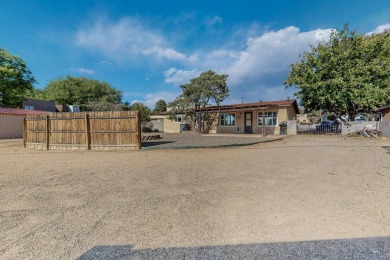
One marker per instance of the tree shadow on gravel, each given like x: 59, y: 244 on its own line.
x: 155, y: 143
x: 387, y: 148
x: 360, y: 248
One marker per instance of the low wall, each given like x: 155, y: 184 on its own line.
x: 384, y: 127
x: 357, y: 126
x: 292, y: 127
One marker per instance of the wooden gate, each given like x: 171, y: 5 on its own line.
x: 106, y: 130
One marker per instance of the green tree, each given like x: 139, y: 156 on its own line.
x: 144, y: 111
x: 36, y: 93
x: 348, y: 74
x: 16, y: 79
x: 208, y: 88
x: 101, y: 106
x: 89, y: 93
x: 161, y: 106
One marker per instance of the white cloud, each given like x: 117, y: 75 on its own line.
x: 215, y: 20
x: 257, y: 62
x: 83, y: 71
x: 126, y: 40
x: 123, y: 39
x: 221, y: 53
x: 136, y: 101
x: 167, y: 53
x: 179, y: 77
x: 105, y: 62
x: 380, y: 29
x: 152, y: 98
x: 272, y: 53
x: 259, y: 69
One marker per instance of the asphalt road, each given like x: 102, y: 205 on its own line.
x: 369, y: 248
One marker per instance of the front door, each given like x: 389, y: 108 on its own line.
x: 248, y: 122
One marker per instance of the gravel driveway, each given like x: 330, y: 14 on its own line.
x: 304, y: 197
x: 185, y: 141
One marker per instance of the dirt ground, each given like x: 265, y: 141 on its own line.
x: 62, y: 204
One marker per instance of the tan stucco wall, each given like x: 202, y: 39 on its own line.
x: 291, y: 114
x: 171, y: 126
x: 11, y: 126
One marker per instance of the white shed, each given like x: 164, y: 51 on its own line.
x: 11, y: 121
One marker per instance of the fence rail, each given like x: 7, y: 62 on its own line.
x: 84, y: 130
x: 318, y: 129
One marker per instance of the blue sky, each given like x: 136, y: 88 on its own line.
x: 148, y: 49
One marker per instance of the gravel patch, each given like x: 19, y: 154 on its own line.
x: 185, y: 141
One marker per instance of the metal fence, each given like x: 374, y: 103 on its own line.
x: 343, y: 128
x: 326, y: 127
x: 84, y: 130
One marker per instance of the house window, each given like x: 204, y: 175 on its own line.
x: 228, y: 119
x: 29, y: 107
x: 177, y: 118
x: 270, y: 118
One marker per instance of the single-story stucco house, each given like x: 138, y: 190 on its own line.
x: 251, y: 117
x: 242, y: 118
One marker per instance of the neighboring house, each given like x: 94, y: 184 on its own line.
x: 385, y: 112
x: 67, y: 108
x: 11, y: 121
x: 37, y: 104
x: 251, y: 117
x: 158, y: 122
x: 177, y: 125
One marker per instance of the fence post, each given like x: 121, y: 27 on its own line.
x: 24, y: 132
x: 263, y: 126
x: 88, y: 132
x: 47, y: 132
x: 139, y: 128
x: 292, y: 127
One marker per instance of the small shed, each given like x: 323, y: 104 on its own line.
x: 385, y: 112
x: 11, y: 121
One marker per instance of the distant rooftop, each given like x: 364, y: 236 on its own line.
x: 17, y: 111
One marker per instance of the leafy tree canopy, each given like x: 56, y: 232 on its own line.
x: 161, y: 106
x: 101, y: 106
x: 15, y: 79
x: 208, y: 88
x: 144, y: 110
x: 348, y: 74
x: 82, y: 91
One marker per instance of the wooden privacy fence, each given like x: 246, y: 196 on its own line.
x: 84, y: 130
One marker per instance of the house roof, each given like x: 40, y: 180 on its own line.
x: 250, y: 106
x: 23, y: 112
x: 383, y: 107
x: 38, y: 104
